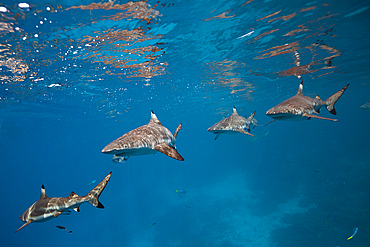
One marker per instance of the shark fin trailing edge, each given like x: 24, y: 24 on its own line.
x: 315, y: 116
x: 177, y: 131
x: 166, y: 149
x: 25, y: 224
x: 96, y: 192
x: 300, y: 89
x: 153, y: 118
x: 330, y: 102
x: 249, y: 120
x: 43, y: 193
x: 244, y: 132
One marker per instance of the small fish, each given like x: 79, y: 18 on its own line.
x: 62, y: 227
x: 92, y: 182
x: 180, y: 192
x: 153, y: 224
x: 354, y: 233
x: 327, y: 218
x: 365, y: 106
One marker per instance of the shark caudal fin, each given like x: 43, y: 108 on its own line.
x: 95, y: 193
x: 330, y: 102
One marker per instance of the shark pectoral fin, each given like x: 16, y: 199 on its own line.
x: 168, y: 150
x: 217, y: 136
x: 58, y: 213
x: 24, y: 225
x: 315, y: 116
x: 270, y: 122
x: 244, y: 132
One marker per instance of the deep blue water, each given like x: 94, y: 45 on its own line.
x: 76, y: 75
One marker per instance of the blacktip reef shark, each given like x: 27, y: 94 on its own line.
x: 48, y: 207
x: 233, y: 124
x: 147, y: 139
x: 301, y: 107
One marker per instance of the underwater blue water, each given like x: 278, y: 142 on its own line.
x: 76, y: 75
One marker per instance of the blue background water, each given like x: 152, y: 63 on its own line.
x: 94, y: 72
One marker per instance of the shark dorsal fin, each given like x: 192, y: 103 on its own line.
x: 154, y: 119
x: 72, y: 195
x: 43, y: 193
x: 300, y: 89
x: 234, y: 111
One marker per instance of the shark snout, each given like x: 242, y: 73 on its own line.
x: 109, y: 150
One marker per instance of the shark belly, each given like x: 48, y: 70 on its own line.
x: 228, y: 131
x: 135, y: 151
x: 287, y: 117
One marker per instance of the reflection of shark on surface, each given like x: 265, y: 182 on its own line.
x: 233, y: 124
x: 47, y: 207
x: 147, y: 139
x: 301, y: 107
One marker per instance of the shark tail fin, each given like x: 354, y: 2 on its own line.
x: 330, y: 102
x: 249, y: 121
x: 94, y: 194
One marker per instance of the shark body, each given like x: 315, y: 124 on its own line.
x: 147, y: 139
x: 233, y: 124
x: 301, y: 107
x: 47, y: 208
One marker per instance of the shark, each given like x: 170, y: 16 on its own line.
x: 47, y: 208
x: 233, y: 124
x: 301, y: 107
x: 147, y: 139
